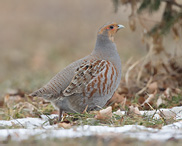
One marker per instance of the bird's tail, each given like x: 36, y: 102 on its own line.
x: 42, y: 92
x: 34, y: 94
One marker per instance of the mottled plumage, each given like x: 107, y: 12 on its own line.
x: 89, y: 82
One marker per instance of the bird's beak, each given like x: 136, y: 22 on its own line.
x: 120, y: 26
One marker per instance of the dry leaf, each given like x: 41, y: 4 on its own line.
x: 141, y: 99
x: 104, y: 114
x: 134, y: 110
x: 118, y: 112
x: 18, y: 92
x: 1, y: 103
x: 117, y: 98
x: 152, y: 87
x: 14, y: 96
x: 160, y: 101
x: 64, y: 125
x: 167, y: 114
x: 55, y: 112
x: 11, y: 100
x: 122, y: 90
x: 178, y: 91
x: 167, y: 93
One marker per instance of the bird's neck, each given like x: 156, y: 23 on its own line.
x: 104, y: 47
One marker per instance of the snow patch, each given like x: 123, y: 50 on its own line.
x: 41, y: 129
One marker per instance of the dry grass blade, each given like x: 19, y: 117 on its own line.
x: 145, y: 88
x: 127, y: 75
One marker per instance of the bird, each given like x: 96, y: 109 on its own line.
x: 88, y: 83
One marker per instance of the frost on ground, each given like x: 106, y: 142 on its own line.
x: 40, y: 128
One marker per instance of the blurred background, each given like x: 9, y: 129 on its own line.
x: 38, y: 38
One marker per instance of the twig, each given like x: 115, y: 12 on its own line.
x: 158, y: 114
x: 143, y: 89
x: 126, y: 65
x: 19, y: 122
x: 129, y: 70
x: 144, y: 62
x: 16, y: 120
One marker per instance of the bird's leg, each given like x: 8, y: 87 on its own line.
x: 60, y: 114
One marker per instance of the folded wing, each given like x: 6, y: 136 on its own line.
x: 93, y: 77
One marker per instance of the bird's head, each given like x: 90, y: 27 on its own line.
x: 110, y: 30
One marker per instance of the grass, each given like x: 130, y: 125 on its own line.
x: 35, y: 107
x: 175, y: 101
x: 116, y: 120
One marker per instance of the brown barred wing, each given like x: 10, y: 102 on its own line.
x: 93, y: 77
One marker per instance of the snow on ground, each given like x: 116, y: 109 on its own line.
x: 175, y: 112
x: 41, y: 129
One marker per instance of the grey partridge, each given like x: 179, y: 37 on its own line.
x: 89, y: 82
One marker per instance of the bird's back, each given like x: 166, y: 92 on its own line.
x: 60, y: 81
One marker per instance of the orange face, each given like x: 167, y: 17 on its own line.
x: 110, y: 30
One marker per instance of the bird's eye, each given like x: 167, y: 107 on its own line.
x: 111, y: 27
